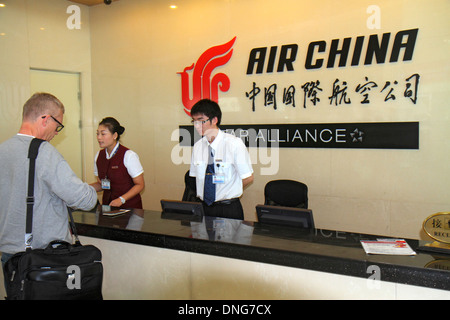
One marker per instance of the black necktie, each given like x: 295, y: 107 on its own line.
x: 209, y: 193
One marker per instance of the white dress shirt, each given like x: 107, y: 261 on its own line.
x: 231, y: 159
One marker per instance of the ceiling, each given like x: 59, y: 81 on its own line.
x: 89, y: 2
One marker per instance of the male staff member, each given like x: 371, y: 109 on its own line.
x: 56, y: 185
x: 220, y: 163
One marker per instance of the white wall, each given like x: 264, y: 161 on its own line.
x: 35, y: 35
x: 139, y: 46
x: 129, y: 54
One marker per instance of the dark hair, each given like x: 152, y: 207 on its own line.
x: 113, y: 126
x: 209, y: 108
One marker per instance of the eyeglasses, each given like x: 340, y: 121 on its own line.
x: 199, y: 122
x: 60, y: 125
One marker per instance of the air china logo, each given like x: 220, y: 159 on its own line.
x: 203, y: 86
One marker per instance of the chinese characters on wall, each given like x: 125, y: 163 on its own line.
x: 340, y: 92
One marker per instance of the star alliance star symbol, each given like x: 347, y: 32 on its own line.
x: 356, y: 135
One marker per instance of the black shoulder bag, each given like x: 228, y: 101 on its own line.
x: 61, y: 271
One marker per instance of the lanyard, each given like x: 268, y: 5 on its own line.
x: 109, y: 160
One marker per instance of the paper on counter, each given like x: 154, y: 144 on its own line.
x: 115, y: 212
x: 388, y: 247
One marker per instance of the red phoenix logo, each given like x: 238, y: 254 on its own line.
x: 203, y: 86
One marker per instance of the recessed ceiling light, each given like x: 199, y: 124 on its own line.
x: 173, y: 6
x: 2, y: 5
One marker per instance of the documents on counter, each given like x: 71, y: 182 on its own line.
x: 108, y: 211
x: 388, y: 247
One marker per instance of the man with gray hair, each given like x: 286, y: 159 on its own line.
x: 56, y: 185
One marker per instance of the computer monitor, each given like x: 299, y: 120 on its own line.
x: 285, y: 216
x: 181, y: 210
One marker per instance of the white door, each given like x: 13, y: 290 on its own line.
x: 66, y: 87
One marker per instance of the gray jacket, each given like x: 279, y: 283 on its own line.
x: 56, y: 186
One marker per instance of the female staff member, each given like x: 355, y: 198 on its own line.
x: 119, y: 172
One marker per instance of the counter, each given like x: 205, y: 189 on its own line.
x: 320, y: 250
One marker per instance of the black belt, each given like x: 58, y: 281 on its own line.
x: 224, y: 202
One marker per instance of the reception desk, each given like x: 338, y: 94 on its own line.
x: 149, y: 256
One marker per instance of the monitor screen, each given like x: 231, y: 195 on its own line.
x: 285, y: 216
x: 182, y: 210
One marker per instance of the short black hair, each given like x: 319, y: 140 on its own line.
x: 209, y: 108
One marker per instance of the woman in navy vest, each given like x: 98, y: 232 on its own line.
x: 119, y: 172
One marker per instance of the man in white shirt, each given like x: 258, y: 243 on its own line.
x: 221, y: 183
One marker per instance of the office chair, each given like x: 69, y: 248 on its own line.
x: 287, y: 193
x: 190, y: 190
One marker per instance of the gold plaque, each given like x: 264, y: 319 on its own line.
x: 437, y: 226
x: 440, y: 264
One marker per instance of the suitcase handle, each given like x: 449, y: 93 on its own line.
x: 58, y: 245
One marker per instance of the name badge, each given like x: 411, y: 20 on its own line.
x: 106, y: 184
x: 218, y: 178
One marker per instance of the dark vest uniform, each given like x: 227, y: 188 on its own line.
x: 114, y: 170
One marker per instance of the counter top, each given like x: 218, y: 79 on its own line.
x: 316, y: 249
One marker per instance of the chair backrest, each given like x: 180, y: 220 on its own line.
x: 190, y: 190
x: 288, y: 193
